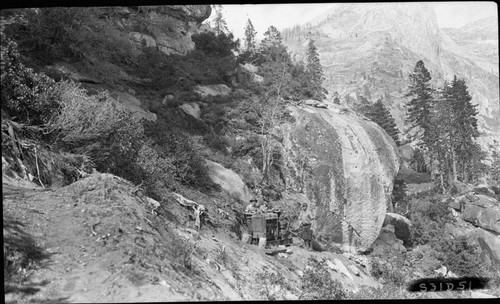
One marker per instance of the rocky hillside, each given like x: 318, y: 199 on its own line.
x: 74, y: 234
x: 370, y: 49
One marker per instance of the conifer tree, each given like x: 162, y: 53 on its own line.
x: 272, y: 47
x: 419, y: 117
x: 250, y: 34
x: 219, y: 24
x: 381, y: 116
x: 315, y: 71
x: 463, y: 127
x: 420, y: 106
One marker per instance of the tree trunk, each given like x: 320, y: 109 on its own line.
x: 453, y: 165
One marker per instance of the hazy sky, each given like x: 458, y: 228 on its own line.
x: 449, y: 14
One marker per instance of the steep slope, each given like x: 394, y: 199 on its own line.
x: 101, y: 243
x: 370, y: 49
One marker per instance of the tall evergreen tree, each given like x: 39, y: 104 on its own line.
x: 464, y: 127
x: 219, y: 24
x: 315, y: 71
x: 420, y: 106
x: 250, y: 34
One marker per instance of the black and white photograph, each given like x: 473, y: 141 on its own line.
x: 156, y: 152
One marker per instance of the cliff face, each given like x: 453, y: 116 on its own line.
x: 167, y: 28
x: 370, y: 49
x: 345, y: 165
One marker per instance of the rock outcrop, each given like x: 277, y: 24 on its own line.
x: 402, y: 226
x: 247, y: 74
x: 387, y: 244
x: 229, y: 181
x: 191, y: 108
x: 212, y: 90
x: 480, y: 210
x: 167, y: 28
x: 490, y: 244
x: 345, y: 165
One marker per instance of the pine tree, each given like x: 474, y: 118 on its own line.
x: 464, y: 127
x: 420, y: 107
x: 315, y: 71
x: 250, y: 34
x: 454, y: 132
x: 381, y: 116
x: 272, y: 48
x: 219, y: 24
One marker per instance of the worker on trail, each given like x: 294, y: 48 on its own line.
x: 251, y: 209
x: 305, y: 221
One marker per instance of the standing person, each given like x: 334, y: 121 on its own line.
x: 251, y: 209
x: 305, y: 221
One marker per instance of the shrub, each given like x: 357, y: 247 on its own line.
x: 97, y: 126
x: 317, y: 283
x: 273, y: 285
x: 183, y: 150
x: 460, y: 256
x: 27, y: 96
x: 389, y: 271
x: 157, y: 168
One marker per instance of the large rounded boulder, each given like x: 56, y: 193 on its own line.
x: 345, y: 165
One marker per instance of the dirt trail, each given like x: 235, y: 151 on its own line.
x: 103, y: 244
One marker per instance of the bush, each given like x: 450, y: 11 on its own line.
x: 183, y: 150
x: 273, y: 285
x: 26, y: 96
x: 428, y: 219
x: 317, y: 283
x: 97, y: 126
x: 158, y: 170
x: 460, y: 256
x: 389, y: 271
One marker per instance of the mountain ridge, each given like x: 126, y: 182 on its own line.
x: 370, y: 49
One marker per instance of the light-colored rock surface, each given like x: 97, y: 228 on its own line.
x: 483, y: 211
x: 212, y: 90
x: 191, y: 108
x: 402, y: 225
x: 133, y: 105
x: 229, y: 181
x: 142, y: 39
x: 342, y: 269
x: 490, y: 244
x: 354, y: 270
x: 166, y: 27
x: 484, y: 189
x: 345, y: 165
x: 387, y: 243
x: 247, y: 74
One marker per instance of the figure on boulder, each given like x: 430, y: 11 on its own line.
x: 305, y: 222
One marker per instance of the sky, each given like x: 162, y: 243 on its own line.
x: 449, y: 14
